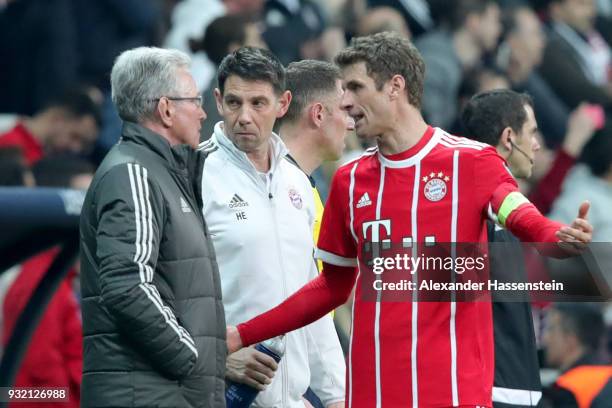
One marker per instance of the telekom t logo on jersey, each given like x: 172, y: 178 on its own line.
x: 376, y: 227
x: 379, y: 231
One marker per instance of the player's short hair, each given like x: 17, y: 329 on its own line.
x: 309, y: 81
x: 252, y: 64
x: 488, y: 113
x: 584, y: 320
x: 387, y: 54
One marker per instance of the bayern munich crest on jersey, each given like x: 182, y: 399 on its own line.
x: 296, y: 199
x: 435, y: 186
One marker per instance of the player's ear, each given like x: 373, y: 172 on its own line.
x: 397, y: 86
x: 283, y: 103
x: 505, y: 140
x: 165, y: 110
x: 219, y: 100
x: 316, y: 114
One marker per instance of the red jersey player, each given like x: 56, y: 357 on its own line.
x: 419, y: 185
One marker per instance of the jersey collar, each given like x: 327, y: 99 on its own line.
x: 415, y: 154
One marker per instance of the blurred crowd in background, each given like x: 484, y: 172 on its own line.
x: 57, y: 120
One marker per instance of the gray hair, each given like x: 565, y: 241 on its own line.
x: 142, y: 75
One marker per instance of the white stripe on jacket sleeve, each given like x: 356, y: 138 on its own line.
x: 143, y: 217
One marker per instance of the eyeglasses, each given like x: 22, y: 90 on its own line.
x: 197, y: 100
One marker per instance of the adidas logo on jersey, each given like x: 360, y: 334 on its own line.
x: 184, y: 206
x: 364, y: 201
x: 237, y: 202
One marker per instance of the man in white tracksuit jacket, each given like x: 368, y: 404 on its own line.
x: 260, y: 211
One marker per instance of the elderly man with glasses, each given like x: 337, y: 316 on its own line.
x: 153, y: 321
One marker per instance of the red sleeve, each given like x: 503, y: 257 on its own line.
x: 527, y: 223
x: 491, y: 172
x: 336, y: 244
x: 328, y: 290
x: 548, y: 188
x: 513, y: 210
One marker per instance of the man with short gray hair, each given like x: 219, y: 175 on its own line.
x: 153, y: 321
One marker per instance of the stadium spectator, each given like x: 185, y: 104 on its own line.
x: 223, y: 35
x: 381, y: 19
x: 417, y: 14
x: 250, y: 191
x: 398, y: 358
x: 190, y: 18
x: 577, y: 59
x: 581, y: 127
x: 573, y: 338
x: 153, y: 321
x: 474, y: 28
x: 519, y: 55
x: 297, y: 29
x: 69, y: 123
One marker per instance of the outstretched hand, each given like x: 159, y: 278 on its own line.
x: 575, y: 237
x: 234, y: 342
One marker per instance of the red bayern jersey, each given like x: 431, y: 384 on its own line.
x: 417, y: 354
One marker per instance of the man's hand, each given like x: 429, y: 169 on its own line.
x: 234, y: 342
x: 336, y: 405
x: 575, y: 237
x: 252, y: 367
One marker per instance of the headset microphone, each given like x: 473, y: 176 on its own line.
x: 521, y: 151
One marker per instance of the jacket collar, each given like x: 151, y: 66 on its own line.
x: 175, y: 157
x: 279, y: 150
